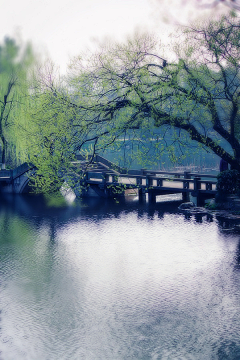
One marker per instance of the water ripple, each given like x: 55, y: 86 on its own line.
x: 130, y: 286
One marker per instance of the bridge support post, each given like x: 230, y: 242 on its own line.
x: 141, y: 191
x: 185, y: 196
x: 200, y: 200
x: 141, y: 195
x: 107, y: 192
x: 151, y: 197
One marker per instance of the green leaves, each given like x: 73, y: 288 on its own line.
x: 128, y: 100
x: 49, y: 138
x: 228, y: 182
x: 15, y: 63
x: 132, y: 89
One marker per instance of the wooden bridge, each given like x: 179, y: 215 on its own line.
x: 105, y: 179
x: 108, y: 180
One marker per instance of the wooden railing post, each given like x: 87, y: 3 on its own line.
x: 186, y: 183
x: 139, y: 181
x: 197, y: 183
x: 186, y: 194
x: 114, y: 178
x: 148, y: 181
x: 159, y: 182
x: 208, y: 186
x: 106, y: 190
x: 197, y: 186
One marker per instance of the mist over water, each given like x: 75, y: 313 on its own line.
x: 104, y: 280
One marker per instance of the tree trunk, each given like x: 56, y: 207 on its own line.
x: 3, y: 153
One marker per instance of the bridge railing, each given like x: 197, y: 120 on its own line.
x: 9, y: 175
x: 123, y: 171
x: 102, y: 161
x: 156, y: 181
x: 185, y: 174
x: 21, y: 169
x: 5, y: 174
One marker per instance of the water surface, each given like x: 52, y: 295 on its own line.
x: 101, y: 280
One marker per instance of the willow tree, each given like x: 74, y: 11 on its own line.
x: 15, y: 62
x: 54, y: 131
x: 196, y: 97
x: 57, y: 129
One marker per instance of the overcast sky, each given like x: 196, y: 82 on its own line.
x: 64, y: 28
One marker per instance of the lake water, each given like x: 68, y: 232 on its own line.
x: 103, y: 280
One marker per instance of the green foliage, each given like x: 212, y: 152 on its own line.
x: 15, y: 63
x: 49, y: 141
x: 128, y: 94
x: 210, y: 206
x: 228, y: 182
x: 53, y: 133
x: 189, y: 104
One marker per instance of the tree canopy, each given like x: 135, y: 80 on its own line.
x: 53, y: 130
x: 132, y: 88
x: 15, y: 61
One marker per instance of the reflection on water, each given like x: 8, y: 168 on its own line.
x: 115, y: 281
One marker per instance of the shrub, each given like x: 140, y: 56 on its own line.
x: 210, y: 206
x: 228, y: 182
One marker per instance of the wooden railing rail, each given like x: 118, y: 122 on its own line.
x: 6, y: 174
x: 21, y: 169
x: 173, y: 173
x: 109, y: 164
x: 13, y: 174
x: 149, y: 181
x: 185, y: 174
